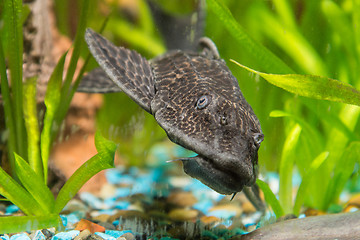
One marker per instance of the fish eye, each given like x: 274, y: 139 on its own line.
x: 223, y: 120
x: 203, y: 101
x: 258, y: 138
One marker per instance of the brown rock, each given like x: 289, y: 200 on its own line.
x: 182, y: 199
x: 333, y: 226
x: 102, y: 218
x: 183, y: 214
x: 228, y: 207
x: 208, y: 220
x: 247, y: 207
x: 83, y: 235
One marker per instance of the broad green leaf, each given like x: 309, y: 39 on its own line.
x: 270, y: 198
x: 32, y: 126
x: 103, y: 160
x: 52, y: 102
x: 286, y: 169
x: 312, y: 86
x: 34, y: 185
x: 306, y: 180
x: 261, y: 54
x: 10, y: 189
x: 15, y: 224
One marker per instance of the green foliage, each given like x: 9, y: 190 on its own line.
x: 319, y: 40
x: 27, y: 187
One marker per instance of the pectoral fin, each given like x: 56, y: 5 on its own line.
x: 126, y: 68
x: 97, y: 81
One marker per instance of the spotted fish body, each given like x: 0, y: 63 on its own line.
x: 195, y: 99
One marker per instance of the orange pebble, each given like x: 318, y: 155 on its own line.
x: 92, y: 227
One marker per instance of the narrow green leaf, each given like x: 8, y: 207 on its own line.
x: 270, y: 198
x: 339, y: 21
x: 356, y: 24
x: 32, y: 126
x: 312, y: 132
x: 103, y: 160
x: 14, y: 48
x: 342, y: 173
x: 78, y: 42
x: 261, y: 54
x: 312, y: 86
x: 292, y: 41
x: 8, y: 109
x: 28, y: 223
x: 34, y: 185
x: 10, y: 189
x: 52, y: 102
x: 66, y: 92
x: 136, y: 37
x: 286, y: 169
x: 306, y: 180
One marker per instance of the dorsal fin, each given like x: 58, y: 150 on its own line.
x: 130, y: 71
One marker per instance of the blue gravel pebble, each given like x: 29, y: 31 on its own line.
x: 122, y: 205
x: 115, y: 233
x: 203, y: 206
x: 66, y: 235
x: 4, y: 237
x: 39, y: 235
x: 105, y: 236
x: 122, y: 192
x: 72, y: 218
x: 11, y: 209
x: 20, y: 236
x: 64, y: 220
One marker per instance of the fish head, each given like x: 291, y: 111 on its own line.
x: 211, y: 117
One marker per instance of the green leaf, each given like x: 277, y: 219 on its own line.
x: 13, y: 28
x: 103, y: 160
x: 8, y: 109
x: 136, y: 37
x: 312, y: 86
x: 261, y: 54
x: 32, y: 126
x: 286, y: 169
x: 34, y: 185
x: 270, y: 198
x: 10, y: 189
x: 17, y: 224
x: 52, y: 102
x: 306, y: 180
x: 342, y: 173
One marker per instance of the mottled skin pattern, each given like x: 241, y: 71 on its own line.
x: 196, y: 100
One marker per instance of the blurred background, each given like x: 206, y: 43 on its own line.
x: 311, y: 37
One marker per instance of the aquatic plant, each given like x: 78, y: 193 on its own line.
x: 320, y: 138
x: 29, y: 147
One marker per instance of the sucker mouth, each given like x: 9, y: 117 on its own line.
x: 209, y: 173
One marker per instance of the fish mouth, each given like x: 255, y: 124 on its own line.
x: 212, y: 174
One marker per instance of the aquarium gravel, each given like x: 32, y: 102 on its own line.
x: 155, y: 203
